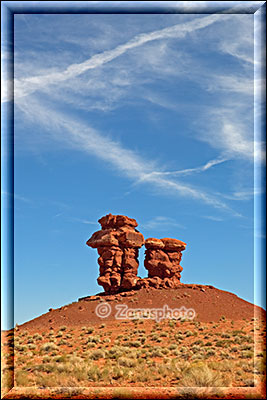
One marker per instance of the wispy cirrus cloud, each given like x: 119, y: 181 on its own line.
x: 242, y: 195
x: 100, y: 84
x: 105, y: 89
x: 28, y: 85
x: 232, y: 132
x: 188, y: 171
x: 84, y: 138
x: 82, y: 221
x: 232, y: 84
x: 17, y: 197
x: 213, y: 218
x: 161, y: 223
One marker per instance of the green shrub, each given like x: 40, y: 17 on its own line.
x: 156, y: 353
x: 198, y: 342
x: 20, y: 348
x: 62, y: 342
x: 97, y: 354
x: 163, y: 334
x: 234, y: 349
x: 135, y: 343
x: 93, y: 339
x: 210, y: 353
x: 225, y: 335
x: 93, y: 373
x: 222, y: 343
x: 246, y: 354
x: 246, y: 347
x: 249, y: 382
x: 47, y: 347
x: 38, y: 337
x: 89, y: 330
x: 119, y: 372
x: 165, y: 351
x: 197, y: 357
x: 127, y: 362
x: 59, y: 358
x: 188, y: 333
x: 63, y: 328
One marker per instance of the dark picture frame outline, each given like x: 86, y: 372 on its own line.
x: 9, y: 10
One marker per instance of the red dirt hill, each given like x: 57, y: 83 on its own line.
x: 209, y: 304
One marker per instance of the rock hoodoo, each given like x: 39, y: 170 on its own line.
x: 117, y: 244
x: 162, y: 261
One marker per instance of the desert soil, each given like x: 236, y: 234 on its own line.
x: 71, y: 352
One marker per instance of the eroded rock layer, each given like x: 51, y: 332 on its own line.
x: 117, y: 244
x: 162, y: 260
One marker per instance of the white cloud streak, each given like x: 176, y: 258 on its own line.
x: 161, y: 223
x: 242, y: 195
x: 82, y: 221
x: 231, y: 136
x: 236, y: 84
x: 28, y: 85
x: 188, y: 171
x: 16, y: 197
x: 212, y: 218
x: 130, y: 164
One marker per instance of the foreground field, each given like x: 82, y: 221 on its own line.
x: 138, y: 353
x: 71, y: 352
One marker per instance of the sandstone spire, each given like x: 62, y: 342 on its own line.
x: 162, y: 261
x: 117, y: 244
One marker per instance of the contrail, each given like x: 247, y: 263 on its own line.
x: 83, y: 137
x: 188, y: 171
x: 26, y: 86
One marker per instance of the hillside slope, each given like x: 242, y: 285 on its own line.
x: 209, y: 304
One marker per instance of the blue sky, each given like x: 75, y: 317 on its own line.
x: 151, y: 116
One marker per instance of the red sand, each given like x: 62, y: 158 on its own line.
x: 209, y: 303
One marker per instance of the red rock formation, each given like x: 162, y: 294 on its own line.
x: 162, y: 261
x: 117, y: 244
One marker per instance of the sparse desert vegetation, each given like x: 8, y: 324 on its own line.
x: 139, y: 353
x: 69, y: 350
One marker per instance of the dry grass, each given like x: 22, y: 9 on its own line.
x: 200, y: 375
x: 183, y: 354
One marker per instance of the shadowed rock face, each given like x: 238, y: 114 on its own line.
x: 117, y: 244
